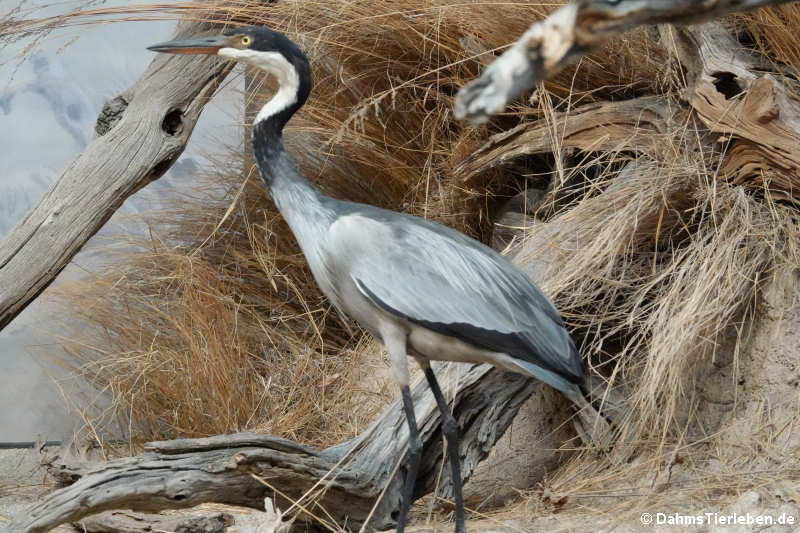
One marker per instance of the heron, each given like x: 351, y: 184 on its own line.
x: 424, y: 290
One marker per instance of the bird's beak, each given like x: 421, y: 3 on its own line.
x: 205, y: 45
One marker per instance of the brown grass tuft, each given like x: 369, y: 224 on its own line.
x: 206, y: 330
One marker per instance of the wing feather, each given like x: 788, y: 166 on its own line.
x: 441, y: 279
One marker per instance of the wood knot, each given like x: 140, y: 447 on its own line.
x: 761, y: 104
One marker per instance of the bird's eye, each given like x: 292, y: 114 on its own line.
x: 246, y: 40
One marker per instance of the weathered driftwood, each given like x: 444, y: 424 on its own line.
x: 140, y: 134
x: 631, y: 125
x: 345, y: 480
x: 569, y: 32
x: 752, y: 113
x: 130, y: 522
x: 757, y: 116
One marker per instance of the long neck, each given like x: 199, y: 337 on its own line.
x: 303, y: 206
x: 295, y: 197
x: 294, y: 80
x: 288, y: 188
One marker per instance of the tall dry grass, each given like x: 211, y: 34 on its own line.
x: 214, y: 324
x: 207, y: 328
x: 378, y: 129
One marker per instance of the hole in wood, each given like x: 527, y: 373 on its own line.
x: 746, y: 39
x: 725, y: 82
x: 161, y: 167
x: 173, y: 122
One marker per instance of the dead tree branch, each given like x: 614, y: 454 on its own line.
x: 754, y: 113
x: 569, y: 32
x: 129, y: 522
x: 637, y: 125
x: 146, y: 129
x: 344, y: 481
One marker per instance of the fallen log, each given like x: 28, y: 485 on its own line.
x: 354, y: 483
x: 141, y: 133
x: 129, y: 522
x: 569, y: 32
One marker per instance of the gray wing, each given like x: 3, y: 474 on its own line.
x: 441, y: 279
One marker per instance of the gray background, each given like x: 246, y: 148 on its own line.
x: 49, y: 99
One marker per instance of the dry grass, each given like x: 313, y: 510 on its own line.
x: 664, y: 285
x: 218, y: 330
x: 656, y: 268
x: 772, y: 33
x: 378, y: 129
x: 214, y: 323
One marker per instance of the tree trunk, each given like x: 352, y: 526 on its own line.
x: 755, y: 115
x: 140, y: 135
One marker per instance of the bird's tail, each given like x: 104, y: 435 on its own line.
x: 592, y: 426
x: 593, y: 429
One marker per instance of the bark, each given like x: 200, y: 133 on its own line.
x: 130, y: 522
x: 184, y: 473
x: 756, y: 116
x: 140, y: 135
x: 569, y: 32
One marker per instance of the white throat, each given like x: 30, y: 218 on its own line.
x: 278, y: 66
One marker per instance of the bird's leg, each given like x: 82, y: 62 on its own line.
x: 451, y: 432
x: 414, y: 456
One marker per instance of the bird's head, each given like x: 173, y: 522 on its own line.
x: 263, y: 48
x: 241, y: 44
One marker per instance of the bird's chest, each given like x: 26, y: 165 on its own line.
x: 352, y: 243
